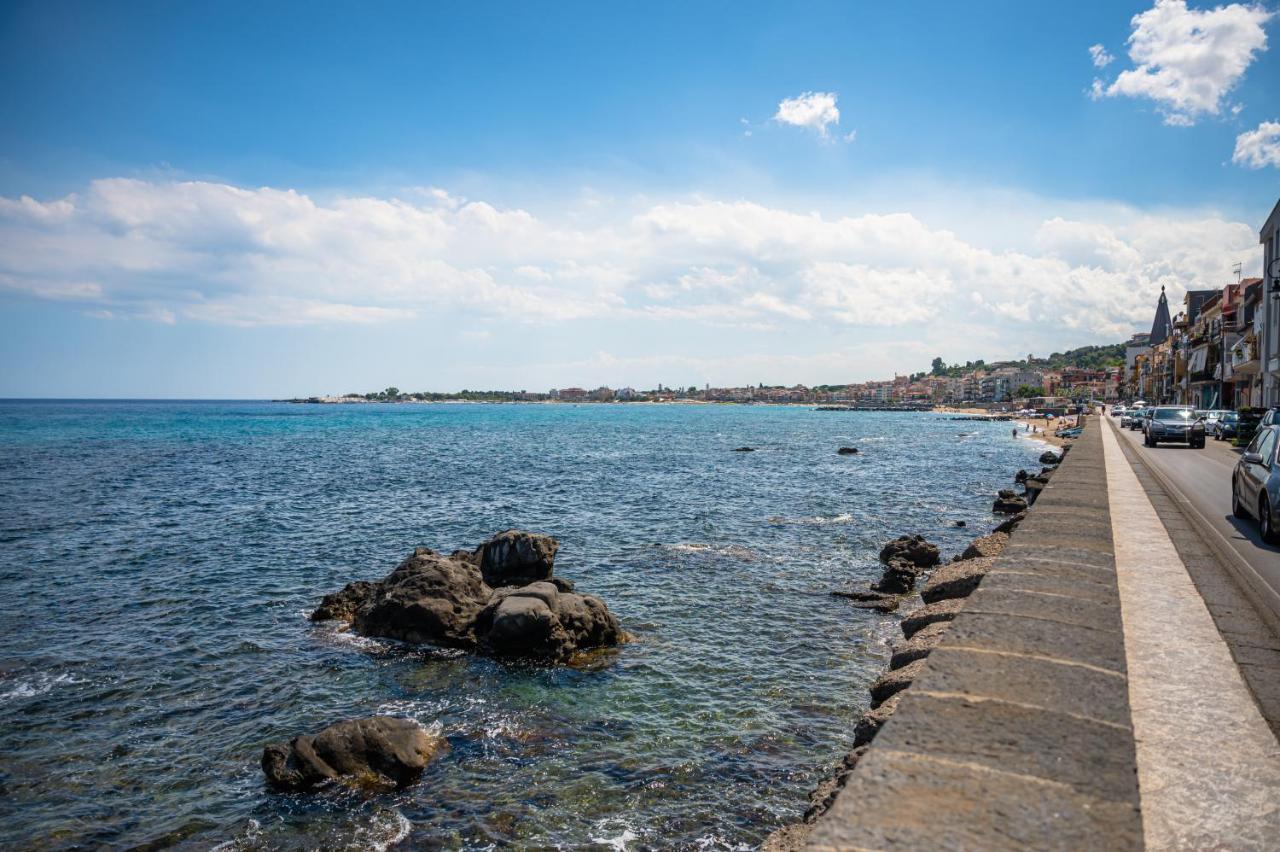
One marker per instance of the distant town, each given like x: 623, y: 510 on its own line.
x: 1090, y: 372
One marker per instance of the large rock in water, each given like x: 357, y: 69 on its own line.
x: 517, y: 558
x: 913, y: 549
x: 381, y: 750
x: 446, y: 600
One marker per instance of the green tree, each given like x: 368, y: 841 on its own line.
x: 939, y: 367
x: 1028, y: 391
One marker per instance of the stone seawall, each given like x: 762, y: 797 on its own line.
x: 1015, y: 731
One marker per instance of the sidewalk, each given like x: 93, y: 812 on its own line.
x: 1208, y: 763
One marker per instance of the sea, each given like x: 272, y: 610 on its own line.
x: 158, y: 561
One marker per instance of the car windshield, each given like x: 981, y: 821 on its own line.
x: 1230, y: 416
x: 1174, y: 414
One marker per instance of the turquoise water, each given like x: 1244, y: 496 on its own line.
x: 158, y: 561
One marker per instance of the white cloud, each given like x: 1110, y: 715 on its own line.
x: 215, y: 253
x: 1260, y: 147
x: 1101, y: 59
x: 814, y: 110
x: 1188, y: 60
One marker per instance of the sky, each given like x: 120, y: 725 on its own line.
x: 260, y: 200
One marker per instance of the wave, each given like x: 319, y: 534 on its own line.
x: 815, y: 520
x: 38, y: 684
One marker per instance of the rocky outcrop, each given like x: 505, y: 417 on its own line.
x: 1010, y: 524
x: 848, y: 451
x: 500, y: 599
x: 1008, y: 503
x: 913, y: 549
x: 1050, y: 457
x: 380, y: 750
x: 899, y: 577
x: 873, y: 720
x: 517, y: 558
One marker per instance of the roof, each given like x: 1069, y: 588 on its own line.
x: 1162, y: 326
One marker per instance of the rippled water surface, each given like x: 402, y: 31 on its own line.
x: 158, y: 561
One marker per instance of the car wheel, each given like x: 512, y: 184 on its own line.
x: 1265, y: 526
x: 1237, y: 508
x: 1198, y: 445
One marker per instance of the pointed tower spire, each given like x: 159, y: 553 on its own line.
x: 1162, y: 327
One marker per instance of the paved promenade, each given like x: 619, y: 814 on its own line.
x: 1087, y: 696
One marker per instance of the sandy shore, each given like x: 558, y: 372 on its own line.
x: 1045, y: 428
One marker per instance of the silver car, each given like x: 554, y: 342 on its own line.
x: 1177, y: 423
x: 1255, y: 484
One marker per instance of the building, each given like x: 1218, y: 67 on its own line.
x: 1268, y: 334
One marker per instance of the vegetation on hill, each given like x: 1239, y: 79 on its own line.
x: 1083, y: 357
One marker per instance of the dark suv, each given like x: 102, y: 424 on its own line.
x: 1174, y: 423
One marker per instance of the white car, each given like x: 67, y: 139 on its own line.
x: 1118, y: 410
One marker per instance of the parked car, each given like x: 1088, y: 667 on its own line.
x: 1225, y: 426
x: 1247, y: 422
x: 1255, y: 484
x: 1174, y: 423
x: 1211, y: 417
x: 1272, y: 417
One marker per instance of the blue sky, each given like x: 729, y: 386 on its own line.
x: 265, y: 199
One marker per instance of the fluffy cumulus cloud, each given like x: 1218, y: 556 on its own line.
x: 179, y: 252
x: 815, y: 110
x: 1101, y: 59
x: 1188, y: 60
x: 1260, y: 147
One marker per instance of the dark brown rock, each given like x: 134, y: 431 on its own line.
x: 381, y: 750
x: 913, y: 549
x: 1010, y: 524
x: 517, y: 558
x: 427, y: 598
x: 848, y: 451
x: 879, y: 601
x: 899, y: 577
x: 444, y: 600
x: 1008, y: 503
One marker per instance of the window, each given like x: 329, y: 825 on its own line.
x: 1267, y: 449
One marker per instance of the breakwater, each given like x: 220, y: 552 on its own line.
x: 1011, y: 718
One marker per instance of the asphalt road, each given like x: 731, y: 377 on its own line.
x: 1203, y: 478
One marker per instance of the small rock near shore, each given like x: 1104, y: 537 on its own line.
x: 913, y: 549
x: 382, y: 750
x: 988, y: 545
x: 1050, y: 457
x: 956, y: 580
x: 1008, y: 503
x: 894, y: 681
x: 919, y: 645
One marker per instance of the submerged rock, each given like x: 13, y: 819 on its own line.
x: 745, y: 450
x: 451, y: 601
x: 382, y: 750
x: 847, y: 451
x: 879, y: 601
x: 913, y: 549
